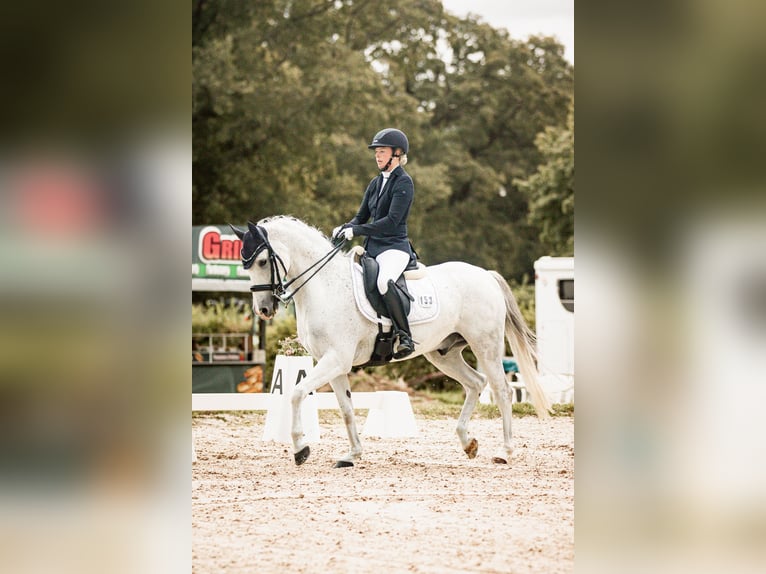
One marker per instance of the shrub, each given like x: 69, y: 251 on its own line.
x: 216, y: 316
x: 525, y: 297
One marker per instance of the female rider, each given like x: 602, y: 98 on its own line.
x: 382, y: 219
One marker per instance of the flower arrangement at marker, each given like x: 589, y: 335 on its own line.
x: 291, y: 347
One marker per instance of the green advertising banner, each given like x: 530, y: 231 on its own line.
x: 216, y: 264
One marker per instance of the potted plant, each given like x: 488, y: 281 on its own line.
x: 292, y: 363
x: 291, y: 347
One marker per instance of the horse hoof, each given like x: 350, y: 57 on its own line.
x: 343, y: 464
x: 499, y: 460
x: 302, y: 455
x: 472, y: 448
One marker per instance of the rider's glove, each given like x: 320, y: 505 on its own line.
x: 343, y: 231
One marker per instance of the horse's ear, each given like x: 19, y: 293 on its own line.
x: 253, y: 228
x: 238, y: 232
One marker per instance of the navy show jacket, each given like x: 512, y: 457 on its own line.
x: 388, y: 213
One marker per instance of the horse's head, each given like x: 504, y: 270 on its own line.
x: 267, y: 262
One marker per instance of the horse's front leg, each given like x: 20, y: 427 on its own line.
x: 327, y: 368
x: 342, y: 390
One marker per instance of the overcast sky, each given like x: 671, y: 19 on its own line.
x: 524, y: 17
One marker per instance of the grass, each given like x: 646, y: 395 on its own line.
x: 447, y: 404
x: 427, y: 405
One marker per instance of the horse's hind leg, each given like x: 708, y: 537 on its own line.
x: 343, y: 393
x: 491, y: 364
x: 453, y: 365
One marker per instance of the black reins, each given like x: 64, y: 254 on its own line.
x: 278, y: 286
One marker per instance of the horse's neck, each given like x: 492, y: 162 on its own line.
x: 306, y: 249
x: 317, y: 287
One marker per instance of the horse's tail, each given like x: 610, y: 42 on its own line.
x: 523, y: 343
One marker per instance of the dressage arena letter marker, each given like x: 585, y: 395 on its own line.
x: 300, y: 377
x: 288, y: 372
x: 277, y: 384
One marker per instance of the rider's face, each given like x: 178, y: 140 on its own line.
x: 382, y: 155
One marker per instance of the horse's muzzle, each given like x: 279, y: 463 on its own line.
x: 265, y: 313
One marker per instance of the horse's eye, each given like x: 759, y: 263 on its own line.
x: 262, y: 263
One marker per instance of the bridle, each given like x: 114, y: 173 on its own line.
x: 278, y: 285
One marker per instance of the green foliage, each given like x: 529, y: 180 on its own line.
x: 551, y: 189
x: 448, y: 403
x: 563, y: 410
x: 221, y: 317
x: 286, y: 95
x: 525, y: 297
x: 415, y: 372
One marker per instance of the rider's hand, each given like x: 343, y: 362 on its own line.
x: 343, y: 232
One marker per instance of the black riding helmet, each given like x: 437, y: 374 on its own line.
x: 392, y: 138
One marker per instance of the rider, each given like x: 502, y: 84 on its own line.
x: 387, y: 203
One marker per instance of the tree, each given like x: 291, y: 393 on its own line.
x: 287, y: 93
x: 551, y: 188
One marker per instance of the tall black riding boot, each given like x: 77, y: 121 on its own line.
x: 399, y: 319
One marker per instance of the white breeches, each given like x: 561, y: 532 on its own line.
x: 392, y: 262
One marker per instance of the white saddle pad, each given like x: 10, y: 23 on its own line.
x: 424, y: 308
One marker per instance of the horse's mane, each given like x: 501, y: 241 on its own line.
x: 292, y: 220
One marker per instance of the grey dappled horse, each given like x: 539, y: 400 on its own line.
x: 477, y: 309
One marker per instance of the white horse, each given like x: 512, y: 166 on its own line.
x: 477, y: 309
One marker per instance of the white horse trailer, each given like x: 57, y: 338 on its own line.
x: 554, y: 317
